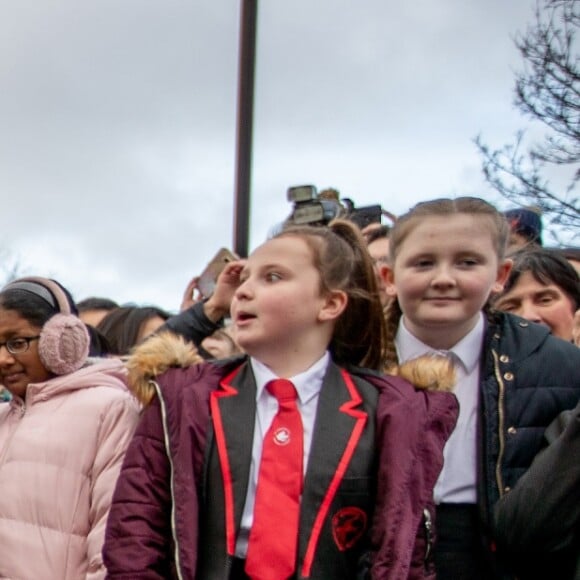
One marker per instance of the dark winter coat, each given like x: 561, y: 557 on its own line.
x: 538, y: 522
x: 528, y: 378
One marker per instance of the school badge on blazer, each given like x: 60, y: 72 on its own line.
x: 348, y: 526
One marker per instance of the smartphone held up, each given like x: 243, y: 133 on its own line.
x: 207, y: 279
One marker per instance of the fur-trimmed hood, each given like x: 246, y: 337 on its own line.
x: 431, y: 372
x: 153, y: 357
x: 167, y: 350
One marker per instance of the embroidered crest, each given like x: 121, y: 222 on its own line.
x: 348, y: 525
x: 282, y: 436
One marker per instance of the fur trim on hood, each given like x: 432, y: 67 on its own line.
x: 152, y: 358
x: 167, y: 350
x: 431, y: 372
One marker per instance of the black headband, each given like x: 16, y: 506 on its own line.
x: 36, y: 289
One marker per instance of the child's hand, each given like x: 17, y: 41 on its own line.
x: 218, y: 304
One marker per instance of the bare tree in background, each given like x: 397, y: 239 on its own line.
x: 547, y: 90
x: 10, y: 267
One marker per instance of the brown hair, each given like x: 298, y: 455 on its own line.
x: 340, y: 256
x: 474, y: 206
x: 121, y: 326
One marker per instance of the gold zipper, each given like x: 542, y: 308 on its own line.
x: 501, y: 421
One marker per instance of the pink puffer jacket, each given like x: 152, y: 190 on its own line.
x: 60, y: 455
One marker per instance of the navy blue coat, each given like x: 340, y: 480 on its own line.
x: 528, y: 378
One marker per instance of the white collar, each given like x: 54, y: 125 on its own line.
x: 467, y: 350
x: 307, y: 383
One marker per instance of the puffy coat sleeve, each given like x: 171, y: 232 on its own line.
x: 540, y: 517
x: 138, y: 536
x: 412, y: 428
x: 117, y: 425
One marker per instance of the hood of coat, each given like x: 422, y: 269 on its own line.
x: 96, y: 372
x: 152, y: 358
x: 167, y: 350
x: 430, y: 372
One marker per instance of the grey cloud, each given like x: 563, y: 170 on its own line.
x: 117, y: 122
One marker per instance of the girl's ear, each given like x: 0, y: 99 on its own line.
x: 334, y: 304
x: 503, y: 273
x: 388, y: 277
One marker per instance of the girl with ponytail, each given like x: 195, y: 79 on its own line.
x: 306, y: 310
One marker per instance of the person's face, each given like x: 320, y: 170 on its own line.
x: 575, y: 264
x: 543, y: 303
x: 18, y: 371
x: 278, y: 310
x: 149, y: 327
x: 443, y: 274
x: 93, y: 317
x: 379, y: 251
x: 220, y: 344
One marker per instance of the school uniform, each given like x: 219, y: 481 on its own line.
x: 179, y: 503
x: 514, y: 379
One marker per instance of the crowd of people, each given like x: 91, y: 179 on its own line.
x: 396, y: 402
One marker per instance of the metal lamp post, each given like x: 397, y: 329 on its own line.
x: 245, y: 125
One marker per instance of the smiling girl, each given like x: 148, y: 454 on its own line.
x: 62, y: 436
x: 202, y: 496
x: 447, y: 257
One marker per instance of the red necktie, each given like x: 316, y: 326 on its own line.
x: 274, y: 535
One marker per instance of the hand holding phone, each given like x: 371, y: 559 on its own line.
x: 217, y: 306
x: 191, y: 295
x: 208, y: 278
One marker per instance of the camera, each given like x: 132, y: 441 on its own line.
x: 313, y: 208
x: 309, y: 208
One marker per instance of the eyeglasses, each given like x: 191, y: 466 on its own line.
x: 18, y: 345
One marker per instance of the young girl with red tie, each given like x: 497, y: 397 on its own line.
x: 297, y: 460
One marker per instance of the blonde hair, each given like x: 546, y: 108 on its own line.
x: 340, y: 255
x: 473, y: 206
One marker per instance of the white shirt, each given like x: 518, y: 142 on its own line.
x: 457, y: 482
x: 308, y: 385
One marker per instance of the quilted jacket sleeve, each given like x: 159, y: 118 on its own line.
x: 412, y: 429
x: 539, y: 520
x: 139, y: 531
x: 118, y: 422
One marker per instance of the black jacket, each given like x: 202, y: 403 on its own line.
x: 538, y: 522
x: 192, y: 324
x: 528, y: 378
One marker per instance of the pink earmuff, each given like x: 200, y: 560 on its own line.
x: 64, y: 344
x: 64, y: 340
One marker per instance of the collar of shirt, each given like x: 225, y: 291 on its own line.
x: 307, y: 383
x: 467, y: 350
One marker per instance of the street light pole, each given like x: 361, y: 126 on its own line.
x: 244, y: 125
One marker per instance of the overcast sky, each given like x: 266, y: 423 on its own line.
x: 118, y: 123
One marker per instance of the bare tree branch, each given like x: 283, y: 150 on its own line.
x: 547, y: 91
x: 10, y: 268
